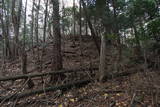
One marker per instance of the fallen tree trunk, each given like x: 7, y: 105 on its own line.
x: 26, y: 76
x: 116, y: 75
x: 39, y: 91
x: 61, y: 87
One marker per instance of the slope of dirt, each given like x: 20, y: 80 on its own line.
x: 70, y: 53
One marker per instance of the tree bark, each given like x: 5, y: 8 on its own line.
x: 106, y: 65
x: 57, y: 57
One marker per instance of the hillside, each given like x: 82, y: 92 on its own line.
x: 118, y: 92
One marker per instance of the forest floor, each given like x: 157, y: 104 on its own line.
x: 138, y: 90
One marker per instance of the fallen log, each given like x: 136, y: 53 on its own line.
x: 61, y: 87
x: 39, y: 91
x: 122, y: 74
x: 26, y: 76
x: 69, y: 52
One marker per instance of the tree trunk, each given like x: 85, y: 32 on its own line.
x: 116, y: 31
x: 57, y: 57
x: 16, y: 24
x: 24, y: 68
x: 37, y: 35
x: 108, y: 53
x: 74, y: 23
x: 106, y: 65
x: 136, y: 36
x: 45, y: 22
x: 57, y: 63
x: 80, y: 27
x: 5, y: 30
x: 37, y: 24
x: 24, y: 54
x: 137, y: 48
x: 32, y: 24
x: 63, y: 16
